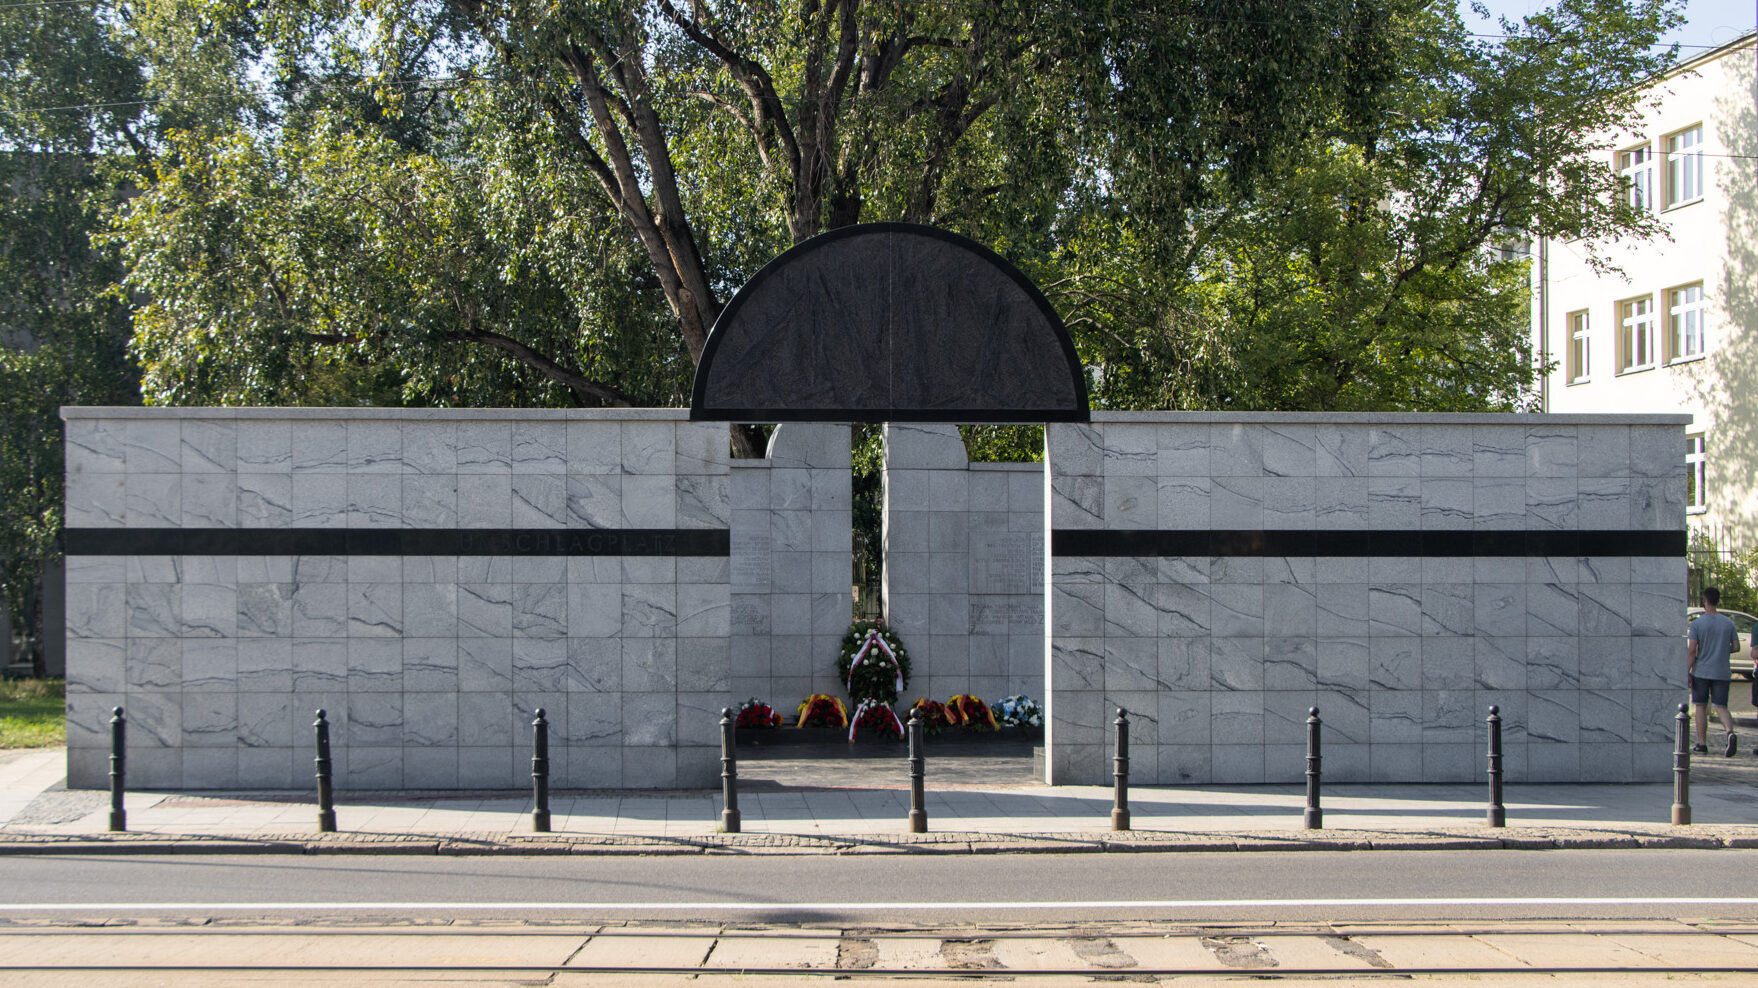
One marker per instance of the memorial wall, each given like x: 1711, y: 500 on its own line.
x: 427, y: 577
x: 964, y: 566
x: 1218, y: 575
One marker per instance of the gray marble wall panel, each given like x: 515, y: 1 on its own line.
x: 792, y: 566
x: 428, y: 666
x: 964, y: 549
x: 1219, y: 657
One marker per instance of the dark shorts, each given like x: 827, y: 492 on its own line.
x: 1712, y: 691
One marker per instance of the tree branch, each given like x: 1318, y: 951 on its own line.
x: 604, y: 393
x: 767, y: 111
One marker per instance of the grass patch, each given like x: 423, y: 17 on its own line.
x: 33, y: 713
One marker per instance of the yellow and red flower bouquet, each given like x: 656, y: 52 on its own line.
x: 971, y: 713
x: 935, y: 717
x: 822, y: 710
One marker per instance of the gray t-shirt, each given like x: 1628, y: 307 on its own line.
x: 1715, y: 637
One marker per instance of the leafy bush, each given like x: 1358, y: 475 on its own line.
x: 1713, y: 566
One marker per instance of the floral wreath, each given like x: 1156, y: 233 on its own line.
x: 877, y: 717
x: 756, y: 713
x: 971, y: 713
x: 822, y: 710
x: 935, y: 717
x: 1019, y: 710
x: 873, y: 664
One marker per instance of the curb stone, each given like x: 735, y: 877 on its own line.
x: 944, y: 843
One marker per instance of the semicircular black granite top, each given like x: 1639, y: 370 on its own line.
x: 889, y: 322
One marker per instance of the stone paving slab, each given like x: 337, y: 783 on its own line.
x: 862, y: 814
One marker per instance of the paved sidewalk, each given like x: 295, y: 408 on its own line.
x: 867, y: 811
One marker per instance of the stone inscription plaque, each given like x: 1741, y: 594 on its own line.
x: 1007, y: 615
x: 750, y: 563
x: 1007, y: 563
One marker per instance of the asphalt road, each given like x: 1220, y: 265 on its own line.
x: 1257, y: 886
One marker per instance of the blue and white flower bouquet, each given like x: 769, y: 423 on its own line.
x: 1019, y: 711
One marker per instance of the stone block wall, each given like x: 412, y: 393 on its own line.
x: 427, y: 577
x: 1217, y: 576
x: 964, y: 551
x: 792, y: 565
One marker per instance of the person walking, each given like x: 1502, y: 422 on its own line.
x: 1710, y: 641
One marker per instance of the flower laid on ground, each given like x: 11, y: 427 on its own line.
x: 822, y: 710
x: 1019, y: 710
x: 756, y: 713
x: 876, y: 718
x: 934, y: 716
x: 873, y: 663
x: 971, y: 713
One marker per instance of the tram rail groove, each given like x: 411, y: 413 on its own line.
x: 963, y: 974
x: 269, y: 927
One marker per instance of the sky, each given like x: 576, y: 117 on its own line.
x: 1708, y: 23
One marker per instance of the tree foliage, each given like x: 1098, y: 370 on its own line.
x: 1382, y: 265
x: 551, y: 205
x: 70, y: 143
x: 1248, y: 204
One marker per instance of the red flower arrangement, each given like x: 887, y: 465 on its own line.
x: 822, y: 710
x: 935, y: 717
x: 756, y: 713
x: 877, y: 717
x: 971, y: 713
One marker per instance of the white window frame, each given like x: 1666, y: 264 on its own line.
x: 1638, y: 335
x: 1696, y: 474
x: 1579, y: 364
x: 1636, y: 166
x: 1684, y: 320
x: 1682, y: 181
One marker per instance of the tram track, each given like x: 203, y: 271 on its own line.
x: 561, y: 952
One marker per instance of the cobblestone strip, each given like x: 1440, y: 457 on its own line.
x: 487, y: 843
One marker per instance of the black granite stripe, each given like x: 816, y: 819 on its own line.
x: 1286, y: 542
x: 397, y: 542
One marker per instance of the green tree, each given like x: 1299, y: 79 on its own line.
x: 578, y: 190
x: 71, y: 142
x: 1380, y: 265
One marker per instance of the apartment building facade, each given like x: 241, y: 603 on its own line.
x: 1672, y: 326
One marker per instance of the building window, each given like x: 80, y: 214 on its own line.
x: 1696, y: 475
x: 1684, y: 322
x: 1684, y: 167
x: 1637, y: 167
x: 1579, y: 354
x: 1636, y: 335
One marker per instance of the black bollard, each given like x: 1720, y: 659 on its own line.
x: 729, y: 774
x: 1120, y: 774
x: 1315, y: 815
x: 118, y: 769
x: 918, y: 798
x: 1682, y: 769
x: 1496, y: 816
x: 326, y: 809
x: 540, y: 774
